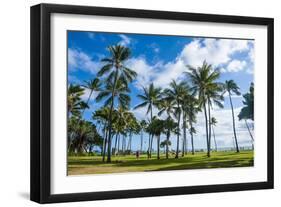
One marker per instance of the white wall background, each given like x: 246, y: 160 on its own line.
x: 14, y: 104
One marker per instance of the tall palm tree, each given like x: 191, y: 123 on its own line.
x: 175, y: 93
x: 231, y: 88
x: 213, y: 123
x: 204, y: 80
x: 121, y: 94
x: 150, y: 98
x: 116, y: 70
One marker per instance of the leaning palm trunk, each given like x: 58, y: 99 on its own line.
x: 233, y: 122
x: 105, y: 145
x: 206, y: 123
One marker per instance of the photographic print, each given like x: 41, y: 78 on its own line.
x: 143, y: 102
x: 126, y: 93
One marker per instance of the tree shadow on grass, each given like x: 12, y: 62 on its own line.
x: 204, y: 165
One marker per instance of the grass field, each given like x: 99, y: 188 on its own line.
x: 79, y: 165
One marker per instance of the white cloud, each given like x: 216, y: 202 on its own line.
x: 171, y: 71
x: 146, y: 73
x: 236, y: 65
x: 125, y: 40
x: 79, y: 60
x: 214, y: 51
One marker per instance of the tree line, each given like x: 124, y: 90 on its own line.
x: 180, y: 103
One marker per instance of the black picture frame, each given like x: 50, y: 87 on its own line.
x: 41, y: 96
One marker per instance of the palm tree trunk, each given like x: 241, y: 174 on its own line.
x: 151, y: 142
x: 115, y: 147
x: 151, y: 137
x: 191, y: 136
x: 105, y: 145
x: 184, y: 134
x: 88, y: 100
x: 210, y: 125
x: 158, y: 147
x: 141, y: 140
x: 252, y: 138
x: 206, y: 123
x: 178, y: 135
x: 118, y: 145
x: 110, y: 117
x: 233, y: 122
x: 123, y: 144
x: 216, y: 147
x: 148, y: 148
x: 167, y: 144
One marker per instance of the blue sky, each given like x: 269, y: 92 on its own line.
x: 159, y: 59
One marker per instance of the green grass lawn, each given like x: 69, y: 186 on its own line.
x: 78, y: 165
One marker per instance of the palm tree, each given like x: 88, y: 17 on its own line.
x: 166, y: 105
x: 184, y: 107
x: 175, y: 93
x: 74, y: 107
x: 192, y: 109
x: 133, y: 127
x: 74, y: 101
x: 121, y: 93
x: 102, y: 115
x: 213, y: 123
x: 247, y: 112
x: 119, y: 126
x: 116, y: 70
x: 231, y: 88
x: 204, y: 81
x: 150, y: 98
x: 169, y: 127
x: 157, y: 127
